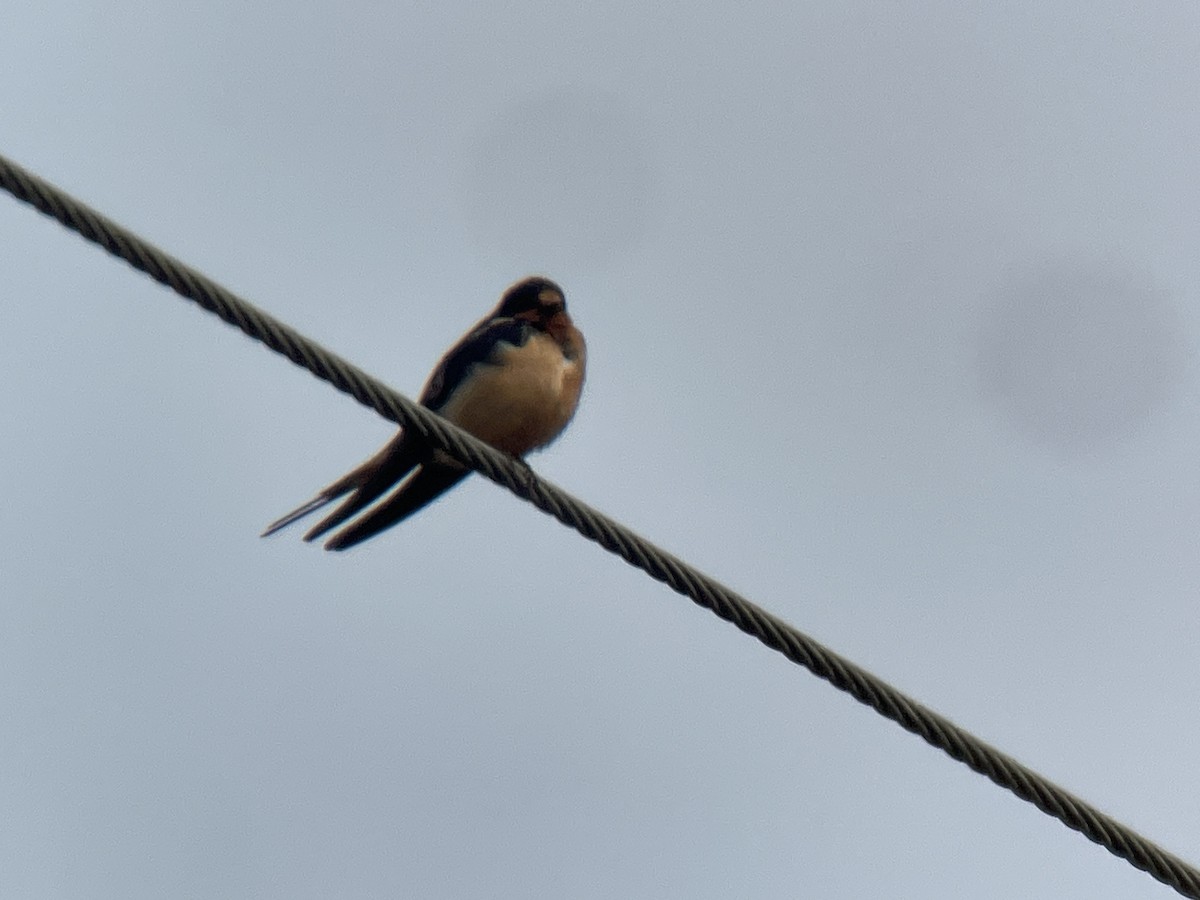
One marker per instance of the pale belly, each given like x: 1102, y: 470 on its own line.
x: 523, y: 404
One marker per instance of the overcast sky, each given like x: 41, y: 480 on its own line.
x: 892, y: 312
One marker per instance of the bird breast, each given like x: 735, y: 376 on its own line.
x: 522, y: 399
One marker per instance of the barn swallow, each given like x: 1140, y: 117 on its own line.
x: 513, y: 380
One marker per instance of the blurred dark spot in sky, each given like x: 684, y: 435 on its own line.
x: 1080, y: 355
x: 560, y: 177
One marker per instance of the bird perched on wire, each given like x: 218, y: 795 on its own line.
x: 513, y: 380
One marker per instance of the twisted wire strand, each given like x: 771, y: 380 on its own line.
x: 843, y: 674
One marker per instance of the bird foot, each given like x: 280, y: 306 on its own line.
x: 524, y: 472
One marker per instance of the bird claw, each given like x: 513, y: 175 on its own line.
x: 524, y: 472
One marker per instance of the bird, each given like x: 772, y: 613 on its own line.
x: 514, y: 380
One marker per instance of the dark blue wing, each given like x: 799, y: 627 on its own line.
x: 477, y: 348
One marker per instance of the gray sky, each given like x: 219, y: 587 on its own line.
x: 892, y: 318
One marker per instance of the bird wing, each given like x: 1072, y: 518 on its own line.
x: 428, y: 483
x: 477, y: 348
